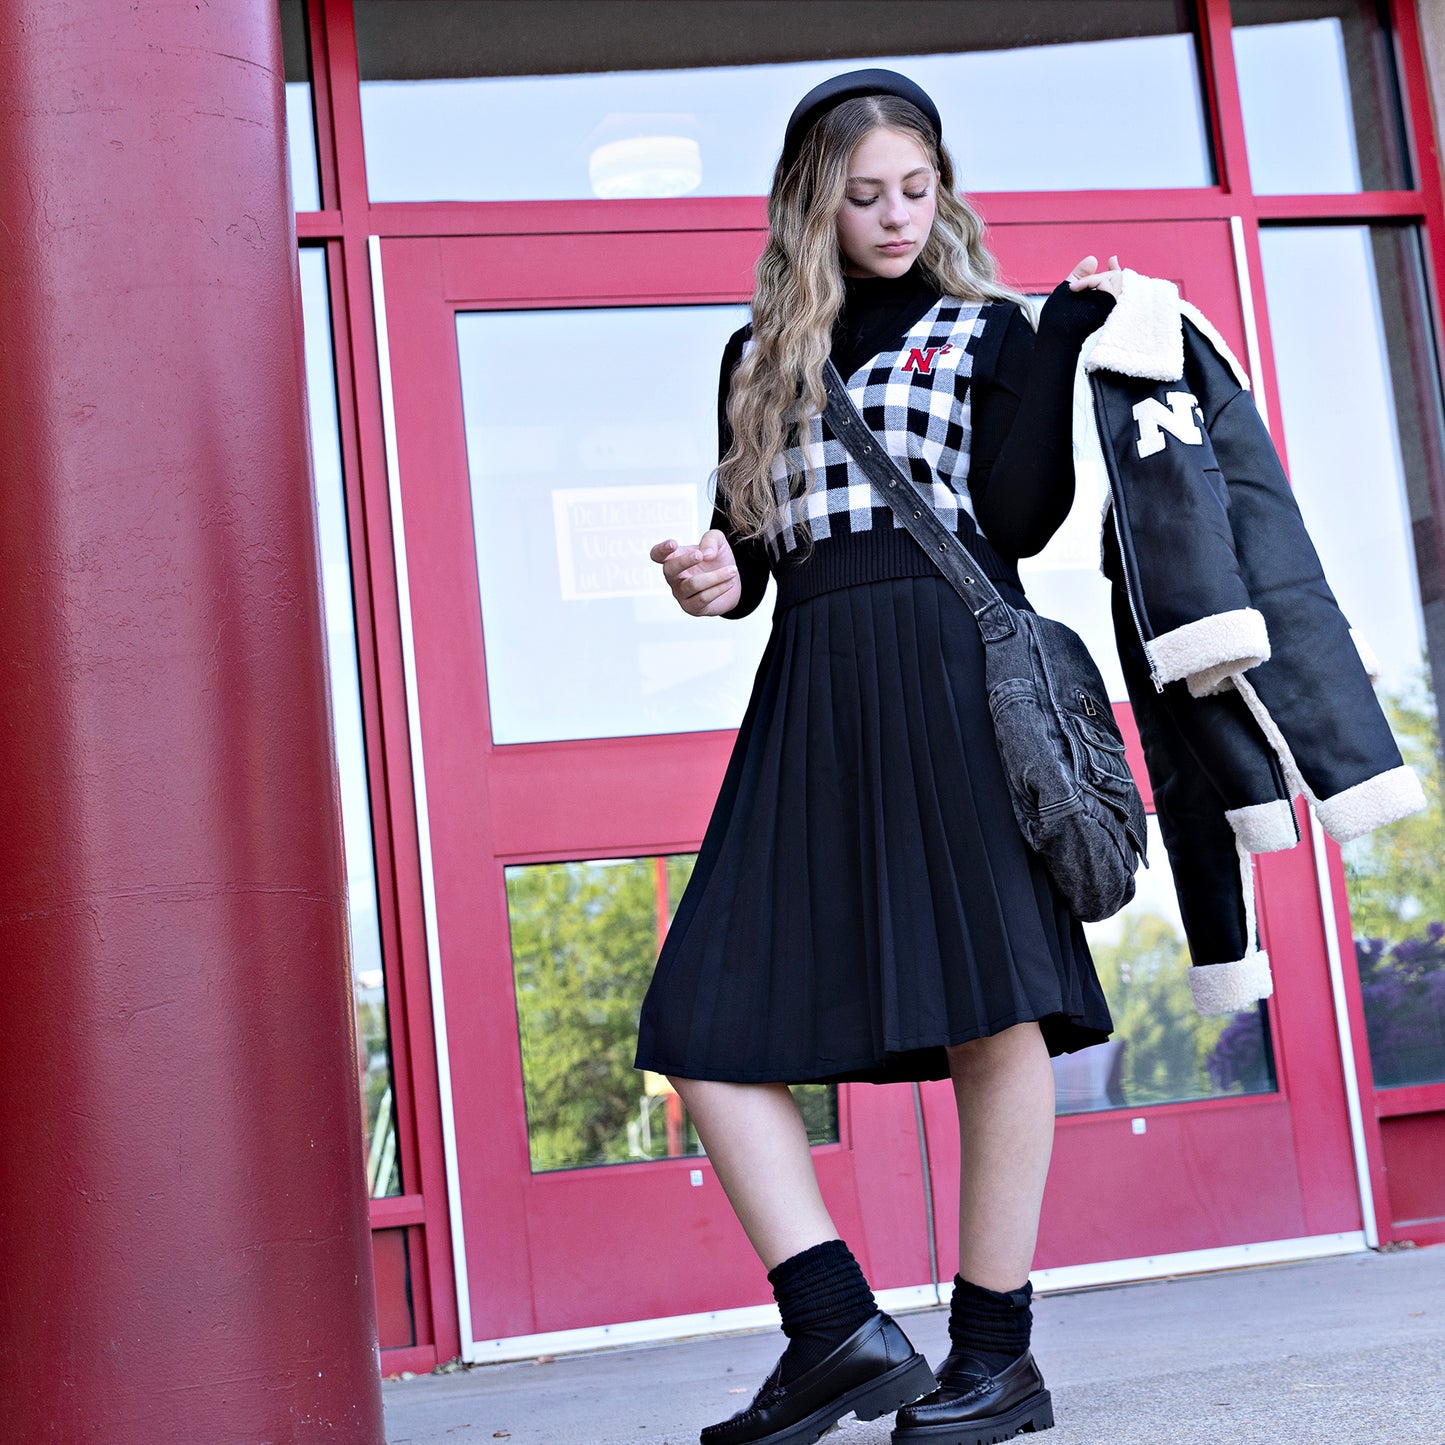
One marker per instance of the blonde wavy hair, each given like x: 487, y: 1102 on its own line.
x: 777, y: 389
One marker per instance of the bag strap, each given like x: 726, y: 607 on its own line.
x: 993, y: 615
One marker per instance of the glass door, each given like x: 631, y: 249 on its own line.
x: 1182, y: 1133
x: 555, y: 414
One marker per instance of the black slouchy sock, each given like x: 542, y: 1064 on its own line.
x: 822, y: 1297
x: 990, y: 1327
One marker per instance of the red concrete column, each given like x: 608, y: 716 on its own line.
x: 184, y: 1248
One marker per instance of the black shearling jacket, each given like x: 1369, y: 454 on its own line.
x: 1247, y: 683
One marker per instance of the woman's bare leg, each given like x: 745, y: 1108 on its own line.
x: 755, y: 1140
x: 1004, y: 1088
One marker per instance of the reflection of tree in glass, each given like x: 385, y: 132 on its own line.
x: 1404, y: 994
x: 376, y: 1085
x: 584, y: 941
x: 679, y: 870
x: 1396, y: 879
x: 1168, y: 1043
x: 1240, y: 1061
x: 818, y: 1105
x: 1397, y: 874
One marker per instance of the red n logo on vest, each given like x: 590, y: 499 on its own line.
x: 921, y: 360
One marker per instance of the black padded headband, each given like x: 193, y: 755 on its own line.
x: 830, y: 93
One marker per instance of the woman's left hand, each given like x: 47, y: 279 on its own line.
x: 1087, y: 276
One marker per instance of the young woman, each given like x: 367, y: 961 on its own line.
x: 864, y: 907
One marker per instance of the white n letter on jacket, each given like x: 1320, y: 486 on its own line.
x: 1177, y: 419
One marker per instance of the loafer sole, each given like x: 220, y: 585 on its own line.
x: 1035, y: 1413
x: 902, y: 1385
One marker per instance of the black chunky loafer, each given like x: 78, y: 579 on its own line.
x: 970, y: 1408
x: 873, y: 1372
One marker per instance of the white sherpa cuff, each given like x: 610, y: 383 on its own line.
x: 1369, y: 805
x: 1212, y: 680
x: 1207, y: 650
x: 1226, y: 988
x: 1264, y: 827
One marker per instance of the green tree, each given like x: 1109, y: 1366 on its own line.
x: 1167, y: 1041
x: 1396, y: 876
x: 1396, y: 880
x: 584, y: 941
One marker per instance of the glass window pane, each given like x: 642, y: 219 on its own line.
x: 300, y: 115
x: 583, y: 638
x: 621, y: 98
x: 1163, y: 1049
x: 1359, y: 392
x: 585, y: 937
x: 395, y: 1306
x: 368, y: 982
x: 1321, y: 107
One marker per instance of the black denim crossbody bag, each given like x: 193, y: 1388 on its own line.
x: 1063, y: 754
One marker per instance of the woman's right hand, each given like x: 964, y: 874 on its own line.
x: 704, y: 578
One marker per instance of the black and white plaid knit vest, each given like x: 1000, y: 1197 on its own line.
x: 917, y: 401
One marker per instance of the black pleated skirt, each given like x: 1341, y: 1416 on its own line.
x: 863, y: 896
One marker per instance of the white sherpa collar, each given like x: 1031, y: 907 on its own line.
x: 1142, y: 336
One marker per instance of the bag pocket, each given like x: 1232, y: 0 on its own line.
x: 1103, y: 768
x: 1040, y: 789
x: 1102, y: 749
x: 1065, y: 765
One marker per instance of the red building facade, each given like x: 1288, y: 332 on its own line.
x: 590, y: 176
x: 501, y: 203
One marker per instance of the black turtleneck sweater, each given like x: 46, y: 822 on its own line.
x: 1021, y: 466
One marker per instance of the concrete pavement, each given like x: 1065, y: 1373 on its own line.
x: 1349, y: 1351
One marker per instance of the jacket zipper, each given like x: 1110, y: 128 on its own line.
x: 1119, y: 537
x: 1129, y: 593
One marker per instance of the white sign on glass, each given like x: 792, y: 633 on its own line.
x: 604, y: 535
